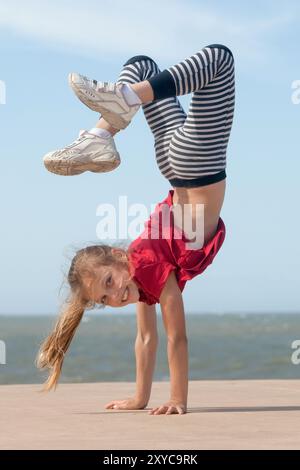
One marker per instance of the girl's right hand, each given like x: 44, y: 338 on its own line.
x: 127, y: 404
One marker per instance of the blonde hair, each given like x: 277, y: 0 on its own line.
x: 52, y: 351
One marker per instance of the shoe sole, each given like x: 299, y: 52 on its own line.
x: 60, y: 167
x: 112, y: 118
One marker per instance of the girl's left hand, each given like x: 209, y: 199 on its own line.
x: 171, y: 407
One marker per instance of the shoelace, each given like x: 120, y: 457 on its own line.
x: 105, y: 86
x: 81, y: 136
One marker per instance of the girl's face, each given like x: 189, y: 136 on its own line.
x: 113, y: 287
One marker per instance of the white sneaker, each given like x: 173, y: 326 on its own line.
x: 105, y: 98
x: 87, y: 153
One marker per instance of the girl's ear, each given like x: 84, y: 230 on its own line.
x: 118, y: 253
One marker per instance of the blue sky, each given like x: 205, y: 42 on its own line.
x: 44, y: 216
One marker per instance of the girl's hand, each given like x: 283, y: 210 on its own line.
x: 127, y: 404
x: 171, y: 407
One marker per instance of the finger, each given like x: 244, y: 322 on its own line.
x: 109, y: 405
x: 151, y: 412
x: 170, y: 410
x: 180, y: 410
x: 117, y: 403
x: 118, y: 406
x: 160, y: 410
x: 113, y: 404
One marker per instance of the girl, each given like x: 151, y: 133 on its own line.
x: 191, y: 153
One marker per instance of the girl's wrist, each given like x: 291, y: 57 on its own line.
x: 141, y: 401
x: 182, y: 402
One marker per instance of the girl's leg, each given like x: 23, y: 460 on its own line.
x: 197, y: 152
x: 163, y: 116
x: 196, y: 149
x: 102, y: 124
x: 190, y: 152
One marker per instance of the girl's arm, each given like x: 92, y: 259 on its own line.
x: 145, y: 350
x: 172, y: 308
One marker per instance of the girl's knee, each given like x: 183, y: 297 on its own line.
x: 220, y: 47
x: 138, y: 58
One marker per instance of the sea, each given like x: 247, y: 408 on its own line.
x: 221, y: 346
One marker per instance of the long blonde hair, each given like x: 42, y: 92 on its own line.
x: 52, y: 351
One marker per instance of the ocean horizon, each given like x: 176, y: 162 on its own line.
x: 221, y: 346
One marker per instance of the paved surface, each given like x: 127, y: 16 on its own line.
x: 221, y: 415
